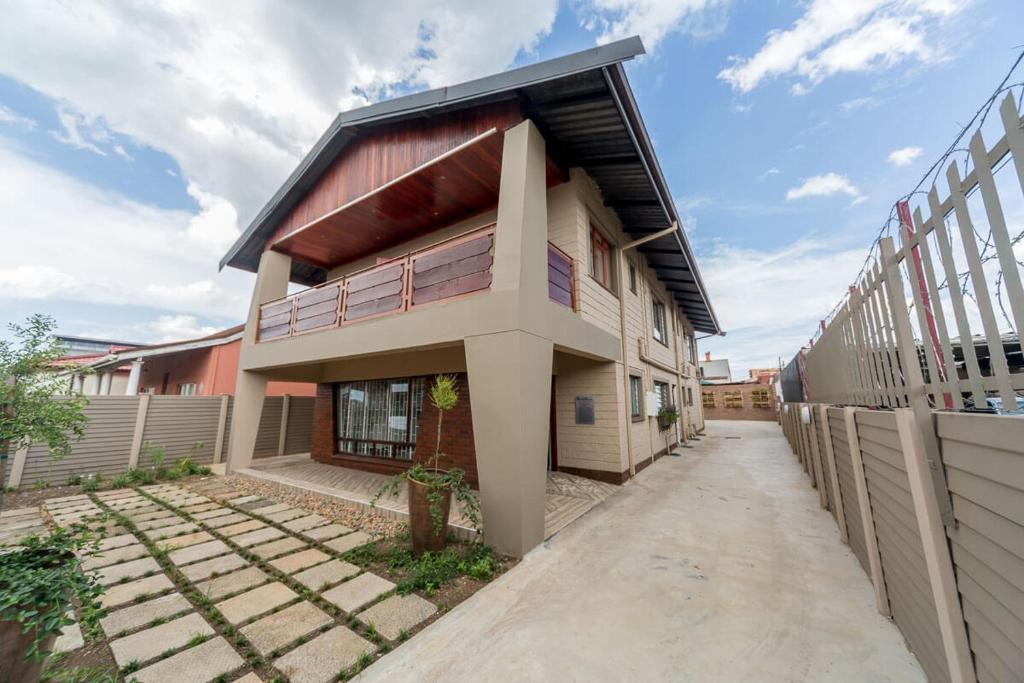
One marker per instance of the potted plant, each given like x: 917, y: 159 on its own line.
x: 667, y: 416
x: 430, y: 488
x: 38, y: 582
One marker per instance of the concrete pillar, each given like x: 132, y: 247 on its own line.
x: 134, y: 377
x: 251, y: 387
x: 105, y: 381
x: 510, y: 395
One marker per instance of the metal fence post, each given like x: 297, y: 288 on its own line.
x: 936, y: 550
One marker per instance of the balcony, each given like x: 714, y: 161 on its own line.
x: 446, y: 271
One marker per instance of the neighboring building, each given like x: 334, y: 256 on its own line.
x: 82, y: 351
x: 88, y: 346
x: 514, y: 230
x: 739, y: 401
x: 763, y: 375
x: 207, y: 366
x: 715, y: 371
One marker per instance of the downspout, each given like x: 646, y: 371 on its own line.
x: 623, y: 272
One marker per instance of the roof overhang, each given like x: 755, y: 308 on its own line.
x: 584, y: 107
x: 121, y: 357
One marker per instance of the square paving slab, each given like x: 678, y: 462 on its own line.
x: 398, y: 613
x: 303, y: 523
x: 278, y: 547
x: 225, y: 520
x: 210, y: 514
x: 276, y: 507
x: 200, y: 571
x: 147, y: 644
x: 243, y: 500
x: 355, y: 593
x: 283, y: 628
x: 255, y: 602
x: 241, y: 527
x: 117, y: 541
x: 185, y: 541
x: 201, y: 507
x: 151, y: 526
x: 345, y: 543
x: 285, y: 515
x: 144, y: 613
x: 204, y: 662
x: 243, y: 579
x: 289, y: 564
x: 172, y: 531
x: 325, y: 575
x: 195, y: 553
x: 126, y: 570
x: 259, y: 536
x: 320, y: 660
x: 122, y: 554
x: 325, y: 533
x: 126, y: 592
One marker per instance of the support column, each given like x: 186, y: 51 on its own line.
x: 134, y: 377
x: 251, y: 387
x: 105, y: 380
x: 510, y: 396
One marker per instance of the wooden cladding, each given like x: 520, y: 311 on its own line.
x: 452, y: 269
x: 561, y: 277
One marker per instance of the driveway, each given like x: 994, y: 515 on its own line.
x: 718, y: 565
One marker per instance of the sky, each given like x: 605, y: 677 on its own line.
x: 137, y: 140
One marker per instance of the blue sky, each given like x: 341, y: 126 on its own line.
x: 136, y: 142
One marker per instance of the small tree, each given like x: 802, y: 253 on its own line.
x: 29, y: 389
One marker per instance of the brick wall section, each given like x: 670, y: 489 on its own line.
x: 747, y: 411
x: 456, y: 436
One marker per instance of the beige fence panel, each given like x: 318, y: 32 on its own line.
x: 984, y: 460
x: 269, y: 432
x: 182, y: 426
x: 847, y: 485
x: 104, y: 449
x: 299, y: 434
x: 821, y: 433
x: 899, y: 542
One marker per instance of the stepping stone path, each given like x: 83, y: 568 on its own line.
x: 15, y: 525
x: 211, y: 537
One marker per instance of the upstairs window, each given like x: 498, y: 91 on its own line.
x: 632, y: 278
x: 659, y: 328
x: 600, y: 258
x: 187, y: 389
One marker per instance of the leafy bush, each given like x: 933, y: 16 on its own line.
x: 430, y: 571
x: 74, y: 480
x: 93, y: 482
x: 39, y: 582
x: 121, y: 481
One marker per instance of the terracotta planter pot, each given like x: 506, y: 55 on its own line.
x: 14, y: 668
x: 421, y: 524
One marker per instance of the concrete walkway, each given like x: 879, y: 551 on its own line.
x: 718, y: 565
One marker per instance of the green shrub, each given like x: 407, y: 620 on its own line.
x: 74, y: 480
x: 93, y: 483
x: 121, y: 481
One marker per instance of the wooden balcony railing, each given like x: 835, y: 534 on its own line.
x: 561, y: 277
x: 454, y: 268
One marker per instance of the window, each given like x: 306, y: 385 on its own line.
x: 709, y: 399
x: 380, y: 417
x: 733, y: 399
x: 636, y: 393
x: 664, y: 397
x: 689, y: 396
x: 759, y: 398
x: 600, y: 258
x: 187, y: 389
x: 632, y: 278
x: 659, y: 329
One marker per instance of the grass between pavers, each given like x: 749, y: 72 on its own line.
x: 201, y: 604
x: 339, y: 616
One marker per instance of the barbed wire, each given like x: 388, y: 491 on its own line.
x: 929, y: 178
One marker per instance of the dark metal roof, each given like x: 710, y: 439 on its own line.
x: 583, y: 105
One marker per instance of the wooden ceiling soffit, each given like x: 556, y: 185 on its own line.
x: 457, y: 184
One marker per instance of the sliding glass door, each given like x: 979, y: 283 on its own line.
x: 380, y: 417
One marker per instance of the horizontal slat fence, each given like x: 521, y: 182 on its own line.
x: 984, y: 460
x: 175, y: 424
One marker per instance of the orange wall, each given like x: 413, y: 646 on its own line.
x: 213, y: 370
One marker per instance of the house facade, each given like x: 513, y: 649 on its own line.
x: 515, y: 231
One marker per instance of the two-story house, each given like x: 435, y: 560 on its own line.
x: 515, y: 230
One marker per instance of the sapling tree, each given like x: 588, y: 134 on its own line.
x: 33, y: 408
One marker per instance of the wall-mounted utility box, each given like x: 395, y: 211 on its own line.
x: 584, y: 410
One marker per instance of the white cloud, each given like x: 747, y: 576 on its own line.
x: 835, y: 36
x: 755, y: 296
x: 87, y: 245
x: 740, y: 108
x: 166, y: 328
x: 859, y: 103
x: 75, y: 130
x: 767, y: 174
x: 120, y: 151
x: 823, y: 186
x: 904, y: 156
x: 12, y: 118
x: 237, y: 93
x: 653, y: 20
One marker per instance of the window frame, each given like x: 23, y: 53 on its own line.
x: 373, y: 456
x: 659, y: 320
x: 632, y: 277
x: 192, y: 392
x: 636, y: 383
x: 598, y: 240
x: 664, y: 392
